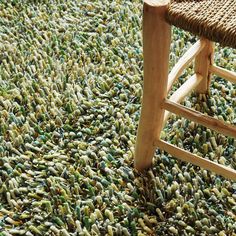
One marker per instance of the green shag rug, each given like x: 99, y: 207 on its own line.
x: 71, y: 76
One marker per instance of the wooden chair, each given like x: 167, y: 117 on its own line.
x: 213, y: 21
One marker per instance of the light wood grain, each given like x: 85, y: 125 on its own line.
x: 200, y: 118
x: 202, y: 62
x: 183, y: 91
x: 221, y: 72
x: 156, y: 46
x: 156, y: 3
x: 186, y: 156
x: 184, y: 61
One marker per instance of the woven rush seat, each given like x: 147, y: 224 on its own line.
x: 212, y: 19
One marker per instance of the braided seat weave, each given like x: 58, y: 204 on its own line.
x: 212, y: 19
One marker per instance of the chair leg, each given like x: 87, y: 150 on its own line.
x: 156, y: 46
x: 202, y: 63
